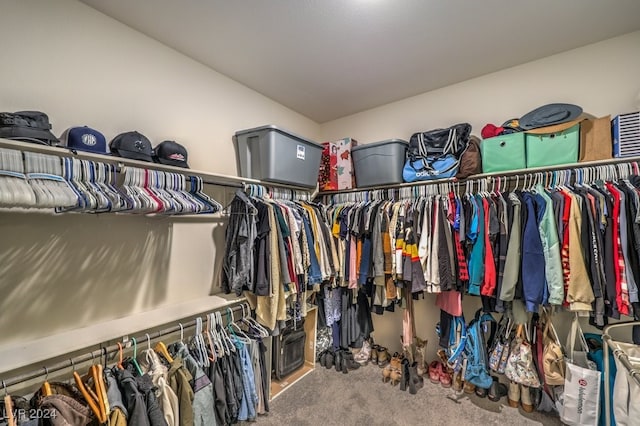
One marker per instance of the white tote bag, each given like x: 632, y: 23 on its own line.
x: 581, y: 399
x: 626, y: 392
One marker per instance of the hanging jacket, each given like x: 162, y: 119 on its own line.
x: 240, y: 236
x: 179, y: 379
x: 133, y: 398
x: 551, y: 249
x: 513, y: 259
x: 155, y: 414
x: 533, y: 267
x: 150, y: 364
x: 579, y: 292
x: 476, y: 258
x: 203, y: 414
x: 114, y: 396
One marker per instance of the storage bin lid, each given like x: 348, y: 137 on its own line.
x: 279, y: 130
x: 381, y: 143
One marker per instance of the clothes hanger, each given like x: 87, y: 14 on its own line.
x: 46, y: 387
x: 200, y: 345
x: 135, y: 357
x: 229, y: 346
x: 8, y: 407
x: 161, y: 349
x: 89, y: 387
x: 120, y: 357
x: 218, y: 347
x: 263, y: 331
x: 212, y: 349
x: 233, y: 327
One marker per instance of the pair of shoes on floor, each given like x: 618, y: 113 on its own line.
x: 421, y: 356
x: 392, y: 372
x: 380, y: 356
x: 495, y: 392
x: 344, y: 361
x: 410, y: 378
x: 364, y: 355
x: 440, y: 373
x: 520, y: 395
x: 327, y: 358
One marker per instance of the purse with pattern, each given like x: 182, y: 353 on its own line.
x: 520, y: 368
x: 499, y: 353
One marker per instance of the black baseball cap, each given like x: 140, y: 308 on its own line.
x: 171, y: 153
x: 132, y: 145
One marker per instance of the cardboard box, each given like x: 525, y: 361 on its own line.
x: 328, y: 177
x: 595, y: 139
x: 336, y: 167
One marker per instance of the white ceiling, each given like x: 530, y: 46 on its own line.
x: 330, y: 58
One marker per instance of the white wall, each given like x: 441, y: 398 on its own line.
x: 84, y: 68
x: 603, y: 78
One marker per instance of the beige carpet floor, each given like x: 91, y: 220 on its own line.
x: 326, y: 397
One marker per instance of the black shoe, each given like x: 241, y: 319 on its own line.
x: 337, y: 360
x: 415, y: 381
x: 329, y: 359
x: 322, y: 357
x: 481, y: 392
x: 404, y: 380
x: 497, y: 391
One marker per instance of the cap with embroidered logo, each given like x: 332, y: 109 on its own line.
x: 132, y: 145
x: 171, y: 153
x: 84, y: 139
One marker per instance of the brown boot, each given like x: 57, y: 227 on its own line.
x: 457, y: 381
x: 396, y: 376
x: 374, y: 354
x: 525, y: 399
x: 421, y: 356
x: 386, y: 374
x: 383, y: 357
x: 513, y: 394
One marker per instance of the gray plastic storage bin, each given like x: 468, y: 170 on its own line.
x: 276, y: 155
x: 379, y: 163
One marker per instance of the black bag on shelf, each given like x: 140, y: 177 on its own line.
x: 27, y: 126
x: 439, y: 142
x: 288, y: 349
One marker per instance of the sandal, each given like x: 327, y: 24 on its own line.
x: 481, y: 392
x: 435, y: 368
x: 445, y: 377
x: 469, y: 387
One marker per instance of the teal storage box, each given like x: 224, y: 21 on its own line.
x: 560, y: 146
x: 503, y: 153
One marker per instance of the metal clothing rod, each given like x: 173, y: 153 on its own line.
x: 105, y: 351
x: 624, y: 360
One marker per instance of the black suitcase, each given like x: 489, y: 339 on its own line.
x: 288, y: 350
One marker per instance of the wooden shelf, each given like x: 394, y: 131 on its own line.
x: 277, y: 387
x: 18, y: 355
x: 519, y: 172
x: 208, y: 177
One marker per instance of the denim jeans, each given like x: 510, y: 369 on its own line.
x: 250, y: 397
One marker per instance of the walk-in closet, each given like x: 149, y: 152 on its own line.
x: 292, y: 212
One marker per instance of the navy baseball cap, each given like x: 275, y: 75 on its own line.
x: 84, y: 139
x: 132, y: 145
x: 171, y: 153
